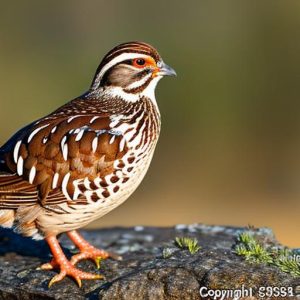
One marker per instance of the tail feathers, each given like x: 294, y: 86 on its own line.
x: 22, y: 220
x: 25, y: 220
x: 19, y: 205
x: 7, y: 217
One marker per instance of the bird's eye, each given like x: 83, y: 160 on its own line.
x: 139, y: 62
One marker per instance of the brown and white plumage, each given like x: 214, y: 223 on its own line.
x: 84, y: 159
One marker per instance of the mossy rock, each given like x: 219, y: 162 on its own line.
x: 154, y: 266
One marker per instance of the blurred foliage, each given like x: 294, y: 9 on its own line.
x: 230, y: 143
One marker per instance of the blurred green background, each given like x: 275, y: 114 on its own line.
x: 229, y: 151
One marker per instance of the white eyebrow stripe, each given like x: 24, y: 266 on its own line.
x: 116, y: 60
x: 34, y: 132
x: 133, y: 46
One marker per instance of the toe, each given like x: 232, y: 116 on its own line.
x: 58, y: 278
x: 48, y: 266
x: 78, y: 257
x: 74, y: 273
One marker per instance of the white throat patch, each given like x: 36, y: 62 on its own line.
x: 148, y: 92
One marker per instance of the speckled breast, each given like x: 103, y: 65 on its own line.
x: 136, y: 134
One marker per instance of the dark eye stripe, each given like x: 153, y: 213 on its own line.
x: 142, y: 73
x: 127, y: 62
x: 139, y: 61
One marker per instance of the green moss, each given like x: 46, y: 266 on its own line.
x: 253, y: 251
x: 190, y: 244
x: 287, y: 261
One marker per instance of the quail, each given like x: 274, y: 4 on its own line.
x: 76, y: 164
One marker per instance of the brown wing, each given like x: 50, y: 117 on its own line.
x: 56, y: 152
x: 14, y: 189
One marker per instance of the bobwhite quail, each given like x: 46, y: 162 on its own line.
x: 71, y: 167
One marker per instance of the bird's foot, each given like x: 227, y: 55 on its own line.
x: 65, y: 267
x: 94, y: 254
x: 68, y: 269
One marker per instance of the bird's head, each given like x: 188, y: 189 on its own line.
x: 131, y: 69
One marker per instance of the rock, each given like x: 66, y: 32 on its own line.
x: 153, y: 267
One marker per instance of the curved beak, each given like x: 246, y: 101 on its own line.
x: 165, y: 70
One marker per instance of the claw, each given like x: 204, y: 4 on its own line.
x: 66, y: 267
x: 60, y: 277
x: 97, y: 262
x: 76, y: 274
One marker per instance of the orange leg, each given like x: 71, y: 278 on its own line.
x: 87, y: 251
x: 66, y: 267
